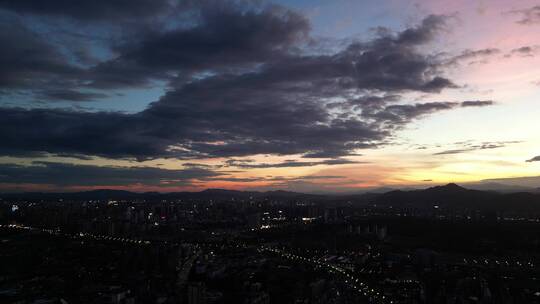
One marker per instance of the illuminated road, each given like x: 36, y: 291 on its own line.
x: 367, y: 292
x: 353, y: 282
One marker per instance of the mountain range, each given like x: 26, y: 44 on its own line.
x: 451, y: 195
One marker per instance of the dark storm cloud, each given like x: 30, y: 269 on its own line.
x: 69, y: 95
x: 91, y: 10
x: 231, y: 40
x: 28, y: 60
x: 115, y: 135
x: 279, y: 108
x: 528, y: 16
x: 225, y: 35
x: 61, y: 174
x: 241, y: 83
x: 287, y: 164
x: 371, y: 102
x: 534, y: 159
x: 224, y: 38
x: 259, y: 113
x: 425, y: 32
x: 392, y: 61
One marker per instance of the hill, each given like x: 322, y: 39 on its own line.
x: 448, y: 196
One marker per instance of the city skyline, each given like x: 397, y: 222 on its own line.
x: 308, y: 96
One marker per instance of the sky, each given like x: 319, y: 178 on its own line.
x: 312, y: 96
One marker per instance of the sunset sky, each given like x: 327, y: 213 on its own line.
x: 305, y: 95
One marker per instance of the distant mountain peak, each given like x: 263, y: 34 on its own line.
x: 448, y: 187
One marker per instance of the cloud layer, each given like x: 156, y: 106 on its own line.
x: 237, y: 86
x: 241, y: 81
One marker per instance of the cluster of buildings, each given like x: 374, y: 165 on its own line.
x: 221, y: 251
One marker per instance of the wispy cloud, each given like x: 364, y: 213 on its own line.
x: 534, y: 159
x: 465, y: 147
x: 528, y: 16
x: 250, y: 164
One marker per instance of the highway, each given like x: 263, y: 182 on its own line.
x: 370, y: 294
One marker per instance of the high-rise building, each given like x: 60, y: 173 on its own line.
x: 196, y: 293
